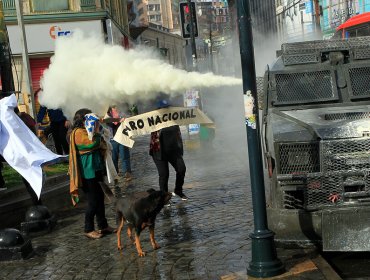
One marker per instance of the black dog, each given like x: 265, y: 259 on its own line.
x: 139, y: 210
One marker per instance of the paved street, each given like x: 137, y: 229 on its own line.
x: 205, y: 237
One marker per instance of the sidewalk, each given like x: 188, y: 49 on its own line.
x: 206, y: 237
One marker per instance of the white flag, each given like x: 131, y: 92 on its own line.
x: 20, y: 147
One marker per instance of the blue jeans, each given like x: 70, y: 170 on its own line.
x: 123, y: 152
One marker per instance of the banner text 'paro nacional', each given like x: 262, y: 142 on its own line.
x: 156, y: 120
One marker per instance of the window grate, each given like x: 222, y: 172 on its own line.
x: 307, y: 87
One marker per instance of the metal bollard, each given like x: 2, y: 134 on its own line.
x: 13, y: 245
x: 38, y: 218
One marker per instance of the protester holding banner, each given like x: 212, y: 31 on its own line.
x: 119, y: 150
x: 166, y: 148
x: 86, y: 169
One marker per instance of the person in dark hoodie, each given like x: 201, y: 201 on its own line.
x: 166, y: 148
x: 58, y: 127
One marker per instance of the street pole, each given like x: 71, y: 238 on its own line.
x: 192, y: 38
x: 211, y: 39
x: 25, y: 59
x: 6, y: 72
x: 264, y: 261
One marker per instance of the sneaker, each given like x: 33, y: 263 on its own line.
x: 181, y: 195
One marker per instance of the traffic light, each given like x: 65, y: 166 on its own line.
x: 185, y: 19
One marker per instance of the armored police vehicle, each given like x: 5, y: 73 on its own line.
x: 316, y: 141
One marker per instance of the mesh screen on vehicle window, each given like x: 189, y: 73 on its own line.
x: 360, y: 81
x: 296, y: 158
x: 307, y: 87
x: 347, y: 116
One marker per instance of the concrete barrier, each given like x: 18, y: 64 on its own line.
x: 15, y: 201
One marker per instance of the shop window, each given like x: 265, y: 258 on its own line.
x: 49, y: 6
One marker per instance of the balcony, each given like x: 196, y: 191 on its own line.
x: 47, y: 6
x: 9, y: 7
x: 37, y: 6
x: 88, y: 5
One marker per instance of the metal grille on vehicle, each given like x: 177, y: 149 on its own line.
x: 345, y: 154
x: 305, y: 87
x: 259, y: 84
x: 296, y: 158
x: 300, y: 58
x: 336, y: 188
x: 347, y: 116
x: 322, y: 46
x: 323, y: 191
x: 311, y: 51
x: 361, y: 54
x: 360, y: 81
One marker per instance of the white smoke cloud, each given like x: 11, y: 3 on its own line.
x: 87, y: 73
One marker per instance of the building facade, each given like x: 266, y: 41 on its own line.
x: 45, y: 21
x: 302, y: 20
x: 157, y: 12
x: 335, y: 12
x: 297, y: 20
x: 170, y: 46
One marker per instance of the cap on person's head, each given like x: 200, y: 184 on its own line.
x: 163, y: 104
